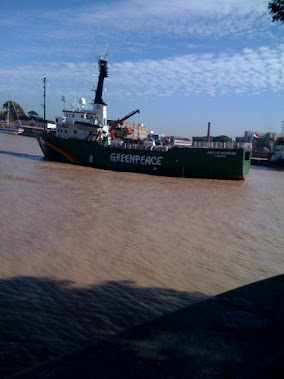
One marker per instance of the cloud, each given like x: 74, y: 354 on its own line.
x: 249, y: 71
x: 68, y: 39
x: 246, y: 72
x: 69, y: 31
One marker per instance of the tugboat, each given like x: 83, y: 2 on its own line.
x: 85, y: 137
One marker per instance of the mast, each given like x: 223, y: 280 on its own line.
x: 17, y: 114
x: 44, y: 102
x: 103, y: 74
x: 8, y: 114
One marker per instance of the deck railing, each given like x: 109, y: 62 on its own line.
x: 222, y: 145
x: 205, y: 145
x: 195, y: 144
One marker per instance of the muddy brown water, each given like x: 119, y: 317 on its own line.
x: 85, y: 253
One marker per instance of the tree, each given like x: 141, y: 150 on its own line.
x: 276, y: 9
x: 222, y: 139
x: 32, y: 114
x: 15, y: 110
x: 213, y: 139
x: 263, y: 142
x: 199, y: 139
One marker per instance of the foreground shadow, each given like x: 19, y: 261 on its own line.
x: 23, y: 156
x: 41, y: 318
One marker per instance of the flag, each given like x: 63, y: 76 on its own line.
x: 255, y: 135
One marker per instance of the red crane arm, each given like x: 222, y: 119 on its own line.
x: 120, y: 122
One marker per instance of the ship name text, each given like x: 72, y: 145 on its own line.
x: 136, y: 159
x: 218, y: 152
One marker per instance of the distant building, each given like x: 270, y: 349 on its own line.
x: 272, y: 135
x: 139, y: 131
x: 130, y: 130
x: 248, y: 135
x: 37, y: 122
x: 180, y: 141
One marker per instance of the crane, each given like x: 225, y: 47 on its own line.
x: 120, y: 122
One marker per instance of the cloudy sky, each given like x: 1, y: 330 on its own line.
x: 181, y: 62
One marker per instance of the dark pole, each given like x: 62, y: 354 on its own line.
x: 208, y: 132
x: 44, y: 105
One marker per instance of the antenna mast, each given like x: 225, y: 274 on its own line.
x: 44, y: 102
x: 103, y: 74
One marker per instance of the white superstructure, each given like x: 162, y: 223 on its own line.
x: 83, y: 123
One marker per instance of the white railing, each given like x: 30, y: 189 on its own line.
x: 222, y: 145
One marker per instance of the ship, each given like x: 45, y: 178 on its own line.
x: 276, y: 159
x: 86, y: 137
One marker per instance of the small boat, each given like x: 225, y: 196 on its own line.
x: 11, y: 129
x: 7, y: 127
x: 86, y: 137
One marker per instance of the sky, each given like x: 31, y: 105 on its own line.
x: 182, y: 63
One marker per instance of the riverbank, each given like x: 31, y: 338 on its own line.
x: 235, y: 334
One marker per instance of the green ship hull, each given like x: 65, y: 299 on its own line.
x: 199, y: 162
